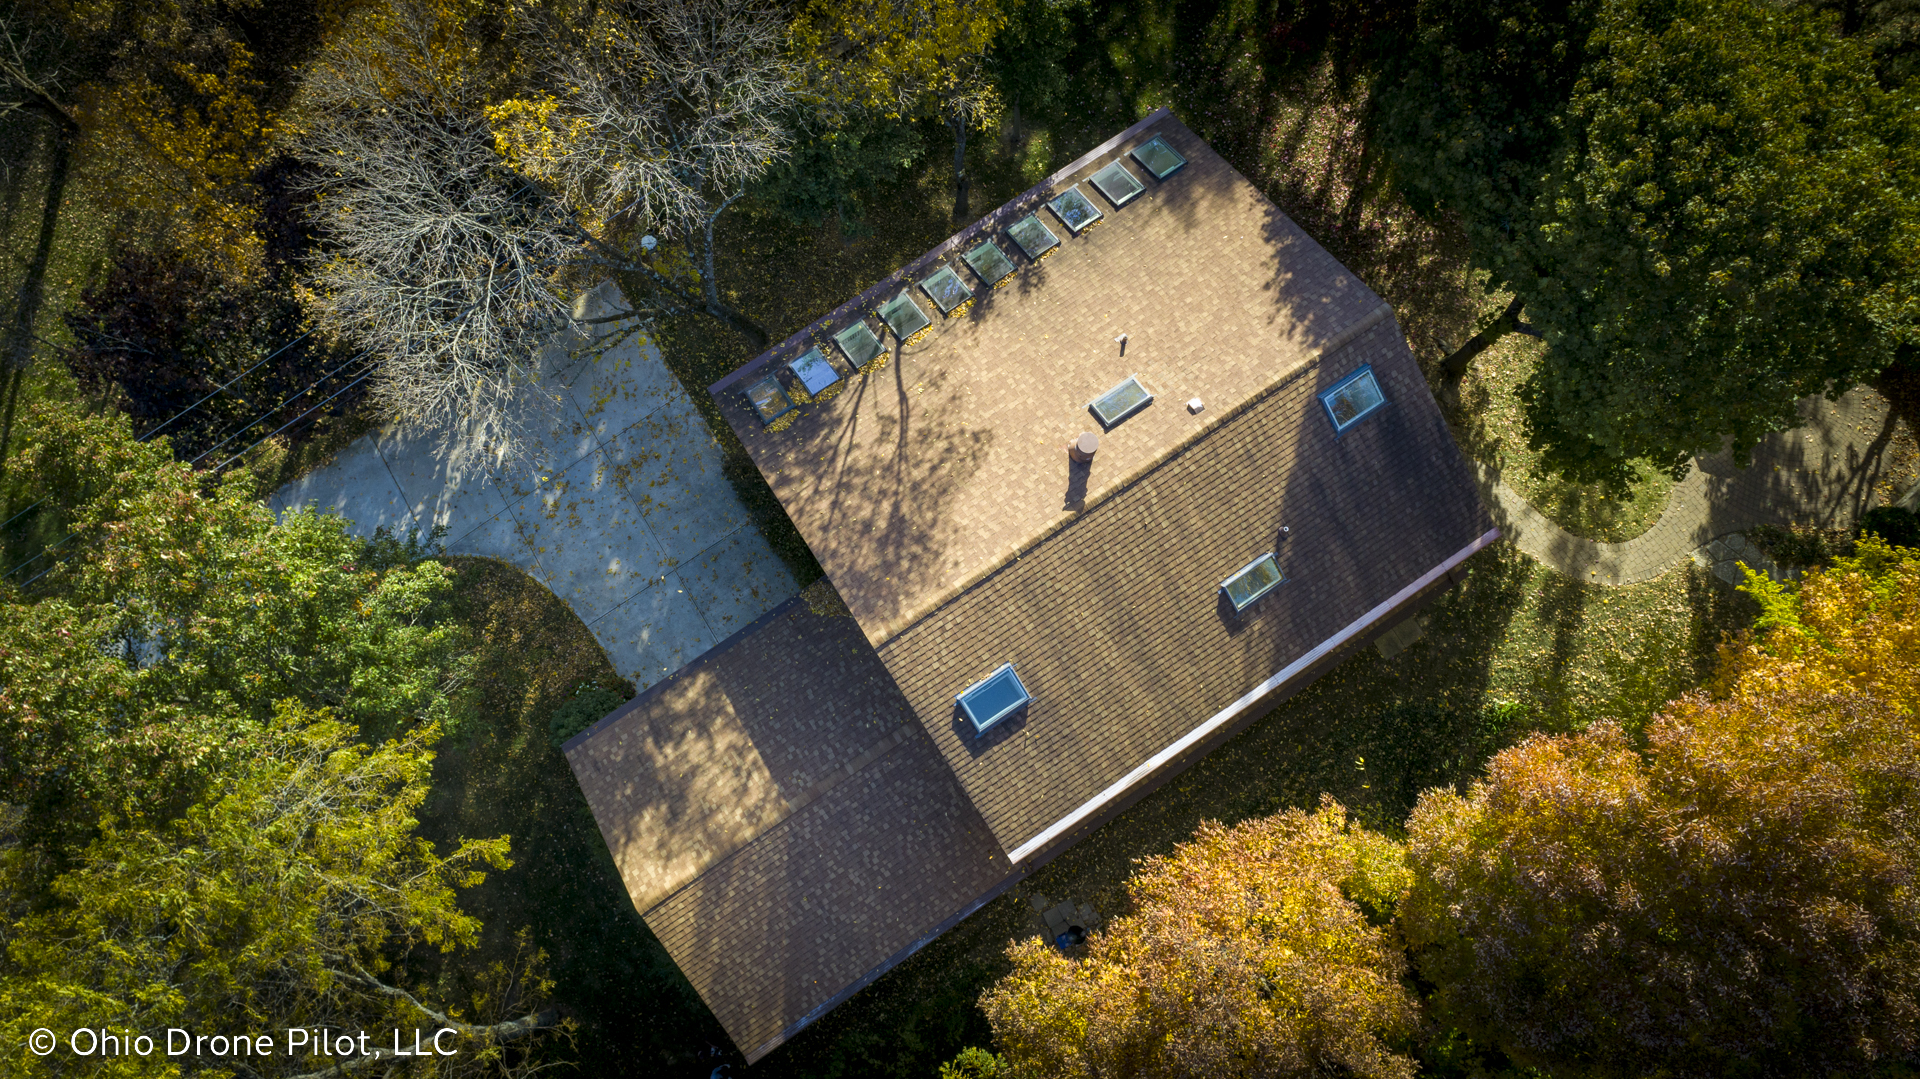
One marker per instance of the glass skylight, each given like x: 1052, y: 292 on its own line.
x: 768, y: 400
x: 813, y: 371
x: 903, y: 316
x: 1352, y: 398
x: 947, y: 290
x: 1117, y: 184
x: 1255, y: 579
x: 1075, y: 209
x: 859, y: 343
x: 1158, y: 158
x: 989, y: 262
x: 993, y: 698
x: 1120, y: 402
x: 1033, y: 236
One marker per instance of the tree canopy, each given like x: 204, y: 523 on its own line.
x: 1707, y: 207
x: 1739, y: 896
x: 1248, y: 952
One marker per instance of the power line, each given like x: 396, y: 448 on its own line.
x: 223, y: 388
x: 296, y: 419
x: 209, y: 450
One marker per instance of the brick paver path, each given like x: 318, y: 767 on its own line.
x: 1822, y: 473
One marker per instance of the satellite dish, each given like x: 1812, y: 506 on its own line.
x: 648, y: 243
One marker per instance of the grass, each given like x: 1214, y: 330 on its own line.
x: 1491, y: 428
x: 499, y: 774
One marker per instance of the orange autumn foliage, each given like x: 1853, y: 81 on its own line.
x: 1740, y: 896
x: 1245, y: 954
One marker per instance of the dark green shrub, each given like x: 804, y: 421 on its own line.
x: 588, y: 705
x: 1900, y: 527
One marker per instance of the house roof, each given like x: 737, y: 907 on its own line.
x: 1117, y: 626
x: 923, y: 477
x: 782, y: 822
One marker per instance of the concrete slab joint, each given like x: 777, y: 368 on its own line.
x: 618, y: 502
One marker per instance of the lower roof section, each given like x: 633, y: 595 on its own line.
x: 782, y: 822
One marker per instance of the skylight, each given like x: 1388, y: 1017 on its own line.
x: 1120, y: 402
x: 813, y: 371
x: 989, y: 262
x: 1352, y: 398
x: 1255, y: 579
x: 1117, y: 184
x: 993, y: 698
x: 947, y: 290
x: 1075, y: 209
x: 1158, y: 158
x: 768, y: 400
x: 904, y: 317
x: 859, y: 343
x: 1033, y: 236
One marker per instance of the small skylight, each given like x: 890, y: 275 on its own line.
x: 947, y: 290
x: 1352, y: 398
x: 1033, y: 236
x: 1158, y: 158
x: 859, y: 343
x: 993, y: 698
x: 1075, y: 209
x: 989, y: 262
x: 813, y: 371
x: 768, y: 399
x: 903, y: 316
x: 1120, y: 402
x: 1117, y: 184
x: 1255, y: 579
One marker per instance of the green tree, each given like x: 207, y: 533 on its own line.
x: 277, y: 903
x: 1738, y: 898
x: 1248, y: 952
x: 1706, y: 207
x: 906, y: 60
x: 172, y: 621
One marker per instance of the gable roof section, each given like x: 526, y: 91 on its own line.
x: 927, y: 475
x: 1116, y: 624
x: 782, y: 822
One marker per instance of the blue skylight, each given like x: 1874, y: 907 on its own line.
x: 1352, y: 398
x: 859, y: 343
x: 1033, y: 236
x: 1158, y: 158
x: 903, y: 316
x: 1117, y: 184
x: 1075, y: 209
x: 1253, y: 580
x: 768, y: 399
x: 947, y: 290
x: 813, y: 371
x: 1120, y: 402
x: 993, y: 698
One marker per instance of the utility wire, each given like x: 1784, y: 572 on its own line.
x: 223, y: 388
x: 296, y: 419
x: 209, y: 450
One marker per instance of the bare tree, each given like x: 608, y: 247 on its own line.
x: 660, y: 113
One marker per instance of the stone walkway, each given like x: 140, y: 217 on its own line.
x: 621, y: 508
x: 1823, y: 474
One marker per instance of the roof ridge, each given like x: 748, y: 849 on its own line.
x: 893, y: 630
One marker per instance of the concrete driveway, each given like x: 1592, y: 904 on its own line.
x: 619, y: 505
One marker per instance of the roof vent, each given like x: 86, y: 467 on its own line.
x: 1083, y: 448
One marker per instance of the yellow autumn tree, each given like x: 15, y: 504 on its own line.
x: 906, y: 59
x: 1740, y: 896
x: 1248, y: 952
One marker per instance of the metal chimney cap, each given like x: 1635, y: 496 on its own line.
x: 1084, y: 447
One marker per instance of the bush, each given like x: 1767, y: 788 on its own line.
x: 1898, y: 526
x: 976, y: 1063
x: 588, y: 705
